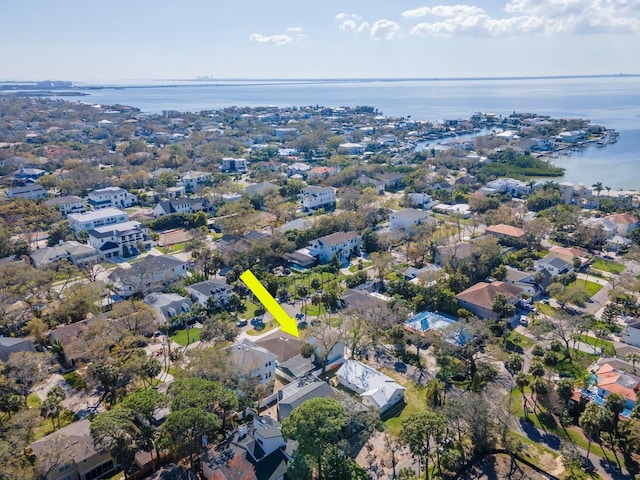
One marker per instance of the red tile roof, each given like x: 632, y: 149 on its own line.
x: 506, y: 230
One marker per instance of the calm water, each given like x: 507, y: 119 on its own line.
x: 613, y: 102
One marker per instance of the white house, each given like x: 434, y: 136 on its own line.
x: 119, y: 240
x: 350, y: 148
x: 253, y: 360
x: 298, y: 168
x: 168, y: 305
x: 422, y: 200
x: 239, y: 165
x: 340, y: 244
x: 151, y: 273
x: 554, y: 265
x: 192, y: 179
x: 219, y: 292
x: 318, y: 197
x: 182, y: 205
x: 111, y: 197
x: 513, y: 187
x: 376, y: 389
x: 86, y: 221
x: 67, y: 205
x: 631, y: 332
x: 75, y: 252
x: 407, y: 219
x: 624, y: 222
x: 33, y: 192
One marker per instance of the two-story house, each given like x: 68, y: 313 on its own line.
x: 210, y: 292
x: 318, y: 197
x: 192, y: 179
x: 119, y: 240
x: 479, y: 298
x: 253, y: 361
x: 168, y: 305
x: 32, y: 192
x: 75, y: 252
x: 182, y: 205
x: 151, y: 273
x: 234, y: 165
x: 340, y: 244
x: 407, y: 219
x: 67, y: 205
x: 100, y: 218
x: 111, y: 197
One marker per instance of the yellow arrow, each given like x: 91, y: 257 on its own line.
x: 287, y: 324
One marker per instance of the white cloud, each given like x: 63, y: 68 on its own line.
x: 363, y: 26
x: 351, y: 25
x: 273, y: 39
x: 385, y: 29
x: 348, y: 16
x: 530, y: 16
x: 443, y: 11
x: 294, y: 29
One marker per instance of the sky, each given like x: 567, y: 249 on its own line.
x: 118, y: 40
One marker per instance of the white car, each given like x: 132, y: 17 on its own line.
x: 524, y: 320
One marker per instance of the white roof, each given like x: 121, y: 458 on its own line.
x: 369, y: 382
x: 96, y: 215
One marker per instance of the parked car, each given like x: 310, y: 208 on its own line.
x: 524, y: 321
x: 242, y: 323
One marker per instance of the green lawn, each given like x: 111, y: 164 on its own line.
x: 180, y: 336
x: 414, y: 401
x: 267, y: 326
x: 251, y: 309
x: 548, y: 310
x: 591, y: 287
x: 356, y: 267
x: 66, y: 417
x: 75, y: 381
x: 313, y: 310
x: 608, y: 266
x: 606, y: 345
x: 518, y: 340
x: 33, y: 400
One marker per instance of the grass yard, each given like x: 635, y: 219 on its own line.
x: 414, y: 401
x: 66, y: 417
x: 267, y: 326
x: 548, y: 310
x: 75, y: 380
x: 608, y: 266
x: 607, y: 347
x: 180, y: 336
x: 33, y: 400
x: 251, y: 309
x: 356, y: 267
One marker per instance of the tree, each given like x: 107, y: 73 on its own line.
x: 383, y: 262
x: 218, y: 328
x: 52, y: 405
x: 145, y: 403
x: 503, y: 307
x: 591, y: 421
x: 564, y: 389
x: 435, y: 392
x: 316, y: 424
x: 135, y: 316
x: 513, y: 364
x: 114, y: 430
x: 598, y: 187
x: 183, y: 430
x: 633, y: 358
x: 23, y: 370
x: 422, y: 431
x: 614, y: 404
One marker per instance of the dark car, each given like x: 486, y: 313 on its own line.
x: 302, y: 325
x: 256, y: 321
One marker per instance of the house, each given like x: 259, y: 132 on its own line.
x: 299, y: 391
x: 72, y: 339
x: 608, y: 226
x: 461, y: 209
x: 253, y: 361
x: 168, y: 305
x: 569, y: 254
x: 377, y: 185
x: 376, y: 389
x: 576, y: 194
x: 9, y: 345
x: 350, y: 149
x: 283, y: 345
x: 318, y: 197
x: 554, y: 265
x: 479, y: 298
x: 121, y: 240
x: 32, y: 192
x: 151, y: 273
x: 321, y: 172
x: 111, y: 197
x: 210, y: 292
x: 67, y: 205
x: 407, y: 219
x: 192, y: 179
x: 573, y: 136
x: 457, y: 252
x: 631, y: 332
x: 234, y: 165
x: 421, y: 200
x: 513, y: 187
x: 300, y: 259
x: 256, y: 451
x: 75, y: 252
x: 29, y: 174
x: 525, y: 281
x: 613, y: 380
x: 428, y: 321
x: 298, y: 168
x: 392, y: 181
x: 260, y: 188
x: 340, y: 244
x: 73, y: 448
x: 86, y: 221
x: 182, y: 205
x: 506, y: 232
x: 624, y: 222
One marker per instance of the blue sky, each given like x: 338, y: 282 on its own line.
x: 143, y: 39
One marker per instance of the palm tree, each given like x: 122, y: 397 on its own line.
x: 598, y: 187
x: 522, y: 381
x: 633, y: 358
x: 591, y: 422
x: 435, y: 393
